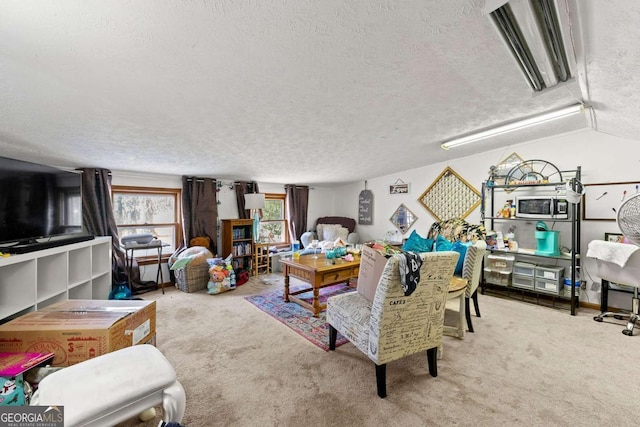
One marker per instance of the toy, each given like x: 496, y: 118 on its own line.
x: 222, y: 277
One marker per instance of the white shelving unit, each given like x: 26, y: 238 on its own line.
x: 37, y: 279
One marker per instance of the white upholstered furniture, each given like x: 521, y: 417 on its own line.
x: 395, y: 325
x: 618, y: 263
x: 114, y: 387
x: 327, y: 229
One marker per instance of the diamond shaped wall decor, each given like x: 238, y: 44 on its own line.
x: 403, y: 218
x: 450, y: 196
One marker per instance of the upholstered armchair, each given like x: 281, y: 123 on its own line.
x: 329, y: 228
x: 396, y: 325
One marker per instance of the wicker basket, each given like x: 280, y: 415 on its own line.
x: 192, y: 278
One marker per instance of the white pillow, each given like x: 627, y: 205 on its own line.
x: 334, y: 233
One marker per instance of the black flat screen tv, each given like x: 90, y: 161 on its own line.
x: 40, y: 206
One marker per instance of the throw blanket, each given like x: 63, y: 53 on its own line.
x: 409, y: 264
x: 618, y: 253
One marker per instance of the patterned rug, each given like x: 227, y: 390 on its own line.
x: 298, y: 318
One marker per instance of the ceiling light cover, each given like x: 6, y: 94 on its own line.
x: 513, y: 126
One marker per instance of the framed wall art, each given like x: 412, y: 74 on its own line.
x: 399, y: 187
x: 450, y: 196
x: 614, y: 237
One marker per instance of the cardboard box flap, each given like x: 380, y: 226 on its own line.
x: 127, y: 306
x: 52, y: 320
x: 14, y: 364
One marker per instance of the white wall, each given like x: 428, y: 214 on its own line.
x: 603, y: 158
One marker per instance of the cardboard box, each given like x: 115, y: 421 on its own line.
x: 372, y: 264
x: 77, y: 330
x: 13, y: 366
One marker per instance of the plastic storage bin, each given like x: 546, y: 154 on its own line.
x: 500, y: 262
x: 550, y: 273
x: 502, y: 278
x: 524, y: 269
x: 549, y: 287
x: 523, y: 282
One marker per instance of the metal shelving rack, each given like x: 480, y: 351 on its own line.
x: 488, y: 191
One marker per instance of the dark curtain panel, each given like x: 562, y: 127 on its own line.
x: 98, y: 219
x: 242, y: 188
x: 200, y: 209
x: 297, y: 205
x: 97, y: 211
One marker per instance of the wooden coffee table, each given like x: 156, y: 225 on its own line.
x: 318, y: 274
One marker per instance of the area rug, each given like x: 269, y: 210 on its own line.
x: 298, y: 318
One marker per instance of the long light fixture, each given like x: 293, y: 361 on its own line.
x: 513, y: 126
x: 532, y: 32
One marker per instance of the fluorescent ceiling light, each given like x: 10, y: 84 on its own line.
x: 532, y: 32
x: 510, y: 127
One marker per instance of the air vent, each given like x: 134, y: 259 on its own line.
x: 532, y: 32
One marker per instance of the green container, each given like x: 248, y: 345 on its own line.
x: 548, y: 243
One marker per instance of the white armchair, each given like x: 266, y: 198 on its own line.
x: 395, y: 325
x: 329, y: 228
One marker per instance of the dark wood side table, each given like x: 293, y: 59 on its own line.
x: 130, y: 247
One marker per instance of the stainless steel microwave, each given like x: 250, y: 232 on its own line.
x: 542, y: 207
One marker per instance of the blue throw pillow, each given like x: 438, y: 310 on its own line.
x: 461, y: 248
x: 416, y: 243
x: 442, y: 244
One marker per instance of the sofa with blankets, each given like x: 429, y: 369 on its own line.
x: 329, y: 229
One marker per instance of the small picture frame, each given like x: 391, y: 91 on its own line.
x: 399, y: 187
x: 614, y: 237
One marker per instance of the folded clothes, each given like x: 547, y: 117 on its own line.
x: 618, y: 253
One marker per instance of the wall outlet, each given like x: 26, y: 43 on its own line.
x: 583, y: 285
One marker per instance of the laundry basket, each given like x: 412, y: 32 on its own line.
x: 191, y: 269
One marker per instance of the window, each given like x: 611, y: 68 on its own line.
x: 273, y: 225
x: 148, y: 210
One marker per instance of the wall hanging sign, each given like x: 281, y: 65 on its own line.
x: 450, y: 196
x: 601, y: 201
x: 399, y: 187
x: 403, y: 218
x: 365, y: 207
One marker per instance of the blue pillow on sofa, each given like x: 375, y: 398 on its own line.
x: 461, y: 248
x: 442, y: 244
x: 416, y: 243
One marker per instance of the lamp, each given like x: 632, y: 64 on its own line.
x: 255, y: 201
x: 513, y: 126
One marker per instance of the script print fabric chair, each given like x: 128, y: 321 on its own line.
x: 396, y: 325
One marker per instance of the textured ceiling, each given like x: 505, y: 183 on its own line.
x: 287, y: 91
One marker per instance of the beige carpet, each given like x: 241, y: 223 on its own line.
x: 525, y: 365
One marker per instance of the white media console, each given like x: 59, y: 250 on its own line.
x: 37, y: 279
